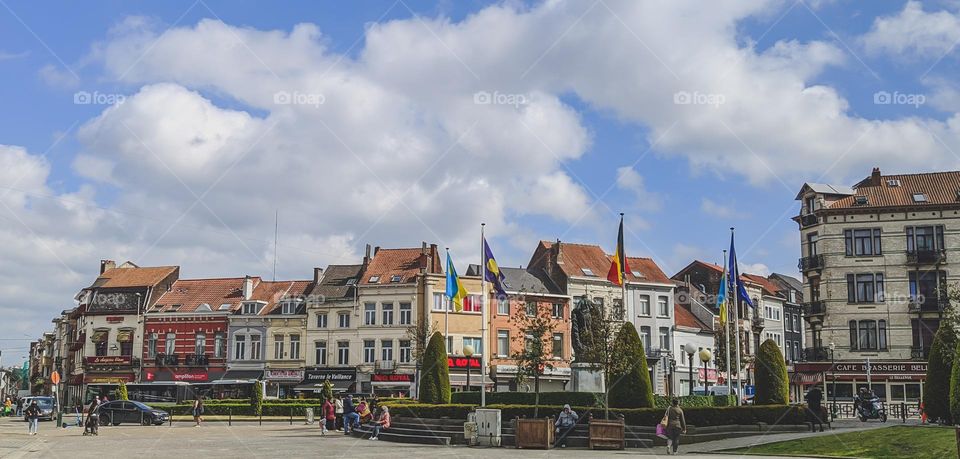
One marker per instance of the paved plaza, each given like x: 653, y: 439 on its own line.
x: 279, y: 439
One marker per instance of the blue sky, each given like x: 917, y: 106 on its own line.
x: 407, y: 159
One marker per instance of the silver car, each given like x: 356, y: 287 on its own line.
x: 47, y: 405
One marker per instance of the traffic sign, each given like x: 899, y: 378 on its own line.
x: 750, y: 389
x: 55, y: 377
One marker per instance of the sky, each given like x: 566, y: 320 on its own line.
x: 185, y: 133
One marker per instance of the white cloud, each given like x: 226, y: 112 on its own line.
x: 759, y: 269
x: 914, y: 33
x: 630, y: 180
x: 719, y: 210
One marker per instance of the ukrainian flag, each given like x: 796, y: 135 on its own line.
x: 722, y: 297
x: 455, y: 290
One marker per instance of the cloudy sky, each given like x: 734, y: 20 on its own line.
x: 173, y: 133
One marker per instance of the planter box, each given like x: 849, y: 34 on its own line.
x: 534, y: 433
x: 606, y: 434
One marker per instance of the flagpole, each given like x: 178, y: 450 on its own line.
x: 726, y: 328
x: 483, y: 318
x: 736, y: 316
x: 446, y: 310
x: 623, y: 274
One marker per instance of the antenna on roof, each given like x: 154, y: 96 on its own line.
x: 276, y: 235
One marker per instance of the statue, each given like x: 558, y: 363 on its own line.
x: 583, y: 329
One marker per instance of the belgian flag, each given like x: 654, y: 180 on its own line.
x: 618, y: 266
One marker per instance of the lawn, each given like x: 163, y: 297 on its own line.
x: 891, y: 442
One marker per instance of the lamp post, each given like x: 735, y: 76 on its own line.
x: 705, y: 356
x: 468, y: 352
x: 690, y: 349
x: 833, y: 376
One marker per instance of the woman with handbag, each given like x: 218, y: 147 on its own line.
x: 675, y: 424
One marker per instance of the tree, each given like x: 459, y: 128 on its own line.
x: 598, y: 344
x: 122, y: 393
x: 629, y: 381
x: 326, y: 390
x: 419, y: 335
x: 256, y: 399
x: 955, y: 386
x: 771, y: 375
x: 535, y: 341
x: 936, y: 393
x: 722, y: 339
x: 435, y: 377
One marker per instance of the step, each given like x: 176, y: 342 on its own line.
x: 387, y: 435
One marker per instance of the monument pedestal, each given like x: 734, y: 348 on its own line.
x: 587, y: 378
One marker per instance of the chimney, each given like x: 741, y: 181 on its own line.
x: 107, y: 264
x: 559, y: 252
x: 422, y: 259
x: 317, y: 275
x: 376, y: 250
x: 433, y: 258
x: 366, y: 256
x: 247, y: 287
x: 875, y: 177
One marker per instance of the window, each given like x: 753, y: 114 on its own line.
x: 812, y: 244
x: 472, y: 303
x: 925, y: 286
x: 343, y: 320
x: 370, y: 313
x: 251, y: 308
x: 531, y: 309
x: 665, y: 338
x: 811, y: 201
x: 343, y: 353
x: 289, y: 307
x: 924, y: 238
x: 369, y: 350
x: 225, y: 306
x: 277, y: 347
x: 599, y: 301
x: 645, y: 336
x: 645, y: 305
x: 126, y: 346
x: 503, y: 343
x: 405, y: 353
x: 294, y: 347
x: 219, y: 345
x: 387, y: 313
x: 558, y: 310
x: 449, y: 345
x: 503, y: 307
x: 320, y: 352
x: 558, y: 345
x: 374, y: 279
x: 862, y: 242
x: 200, y: 344
x: 440, y: 302
x: 170, y: 344
x: 663, y: 306
x: 101, y: 343
x: 396, y: 278
x: 406, y: 314
x: 919, y: 197
x: 322, y: 320
x: 239, y: 346
x: 868, y: 335
x: 152, y: 345
x: 865, y: 288
x: 588, y: 272
x: 255, y: 347
x: 476, y: 343
x: 386, y: 349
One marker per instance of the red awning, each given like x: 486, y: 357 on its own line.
x: 806, y: 378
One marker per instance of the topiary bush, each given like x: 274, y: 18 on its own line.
x: 256, y: 399
x: 435, y: 377
x: 936, y: 392
x: 629, y: 385
x: 955, y: 386
x: 122, y: 393
x: 771, y: 372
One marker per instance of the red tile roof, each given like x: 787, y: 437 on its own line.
x: 191, y: 293
x: 940, y: 188
x: 403, y: 262
x: 134, y: 277
x: 575, y: 257
x: 685, y: 318
x: 768, y: 287
x: 273, y: 291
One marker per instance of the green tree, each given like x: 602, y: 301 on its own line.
x: 122, y: 393
x: 629, y: 380
x: 955, y: 386
x: 327, y: 390
x: 724, y: 337
x: 435, y: 375
x: 771, y: 372
x: 256, y: 399
x: 936, y: 393
x: 536, y: 325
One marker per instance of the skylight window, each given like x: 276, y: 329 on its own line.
x: 374, y: 279
x: 588, y: 272
x: 893, y: 182
x: 919, y: 197
x: 395, y: 278
x: 225, y: 306
x: 352, y: 281
x: 173, y: 308
x: 860, y: 200
x: 203, y: 307
x: 637, y: 273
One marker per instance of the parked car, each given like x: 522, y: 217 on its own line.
x: 116, y: 412
x: 48, y: 407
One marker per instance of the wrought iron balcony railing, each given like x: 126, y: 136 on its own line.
x: 926, y: 257
x: 810, y: 263
x: 815, y: 308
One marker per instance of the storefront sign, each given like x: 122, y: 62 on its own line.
x: 191, y: 376
x: 556, y: 371
x: 882, y: 367
x: 459, y: 362
x: 711, y: 374
x: 106, y: 360
x: 290, y: 375
x: 319, y: 375
x: 107, y: 379
x: 396, y: 378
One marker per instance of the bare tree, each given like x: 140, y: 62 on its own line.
x: 536, y: 354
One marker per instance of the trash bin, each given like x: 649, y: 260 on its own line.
x: 309, y: 415
x: 470, y: 433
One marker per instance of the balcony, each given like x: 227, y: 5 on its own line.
x: 814, y: 308
x: 816, y: 354
x: 926, y: 257
x: 810, y: 263
x: 919, y: 353
x: 385, y: 365
x: 196, y: 360
x: 168, y: 360
x: 808, y: 220
x: 927, y: 304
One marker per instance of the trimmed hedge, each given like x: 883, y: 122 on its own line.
x: 773, y: 387
x: 936, y: 393
x: 630, y: 386
x: 955, y: 385
x: 435, y: 378
x: 576, y: 399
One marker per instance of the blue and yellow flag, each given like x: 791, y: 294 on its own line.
x: 722, y: 296
x: 493, y: 274
x: 455, y: 290
x: 735, y: 281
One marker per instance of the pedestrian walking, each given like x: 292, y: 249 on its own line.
x: 350, y: 417
x: 19, y: 406
x: 198, y: 411
x: 815, y: 410
x: 91, y: 427
x: 329, y: 416
x: 382, y: 421
x: 7, y: 407
x: 33, y: 416
x: 338, y: 409
x: 676, y: 424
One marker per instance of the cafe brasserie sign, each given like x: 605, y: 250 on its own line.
x: 882, y: 367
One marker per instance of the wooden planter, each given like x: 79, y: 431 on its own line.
x: 606, y: 434
x: 534, y: 433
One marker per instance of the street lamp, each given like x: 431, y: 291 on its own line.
x: 705, y: 356
x: 468, y: 352
x: 690, y: 349
x: 833, y: 375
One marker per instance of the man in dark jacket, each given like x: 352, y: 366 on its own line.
x: 815, y: 411
x: 350, y: 416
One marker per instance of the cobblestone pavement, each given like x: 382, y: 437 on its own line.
x: 246, y: 440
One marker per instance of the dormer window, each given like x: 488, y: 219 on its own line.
x: 860, y: 200
x: 374, y: 279
x: 919, y: 197
x: 588, y: 272
x: 203, y: 308
x: 395, y: 278
x: 893, y: 182
x: 251, y: 308
x: 352, y: 281
x: 174, y: 308
x: 289, y: 308
x: 636, y: 273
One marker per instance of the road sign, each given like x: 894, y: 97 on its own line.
x: 55, y: 377
x: 750, y: 390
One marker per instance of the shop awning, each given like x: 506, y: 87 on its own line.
x: 461, y: 380
x: 124, y: 336
x: 243, y: 375
x: 99, y: 335
x: 806, y: 378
